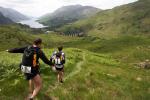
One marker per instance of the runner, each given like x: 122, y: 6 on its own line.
x: 58, y: 59
x: 30, y: 65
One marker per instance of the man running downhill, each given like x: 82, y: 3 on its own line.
x: 30, y: 65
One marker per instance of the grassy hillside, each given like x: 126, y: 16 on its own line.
x: 17, y: 35
x: 14, y: 36
x: 52, y: 39
x: 132, y: 18
x: 99, y: 69
x: 88, y: 76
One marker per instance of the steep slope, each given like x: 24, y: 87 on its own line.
x: 4, y: 20
x: 68, y: 14
x: 13, y: 14
x: 132, y: 18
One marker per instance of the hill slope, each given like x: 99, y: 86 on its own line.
x: 68, y: 14
x: 16, y: 35
x: 89, y: 76
x: 13, y: 36
x: 13, y: 14
x: 132, y: 18
x: 4, y: 20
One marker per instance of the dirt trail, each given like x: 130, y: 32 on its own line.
x: 78, y: 68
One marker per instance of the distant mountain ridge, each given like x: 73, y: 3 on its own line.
x: 12, y: 14
x: 4, y: 20
x: 133, y: 18
x: 68, y: 14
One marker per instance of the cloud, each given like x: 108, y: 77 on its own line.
x: 41, y: 7
x: 32, y: 7
x: 20, y: 1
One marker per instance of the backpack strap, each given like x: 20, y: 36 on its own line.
x: 35, y: 56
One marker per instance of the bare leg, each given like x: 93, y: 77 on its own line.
x: 37, y: 85
x: 58, y: 76
x: 30, y: 86
x: 61, y: 76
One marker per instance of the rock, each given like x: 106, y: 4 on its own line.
x: 145, y: 64
x: 111, y: 75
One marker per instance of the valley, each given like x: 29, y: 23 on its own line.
x: 101, y: 64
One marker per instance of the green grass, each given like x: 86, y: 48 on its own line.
x: 107, y: 70
x: 100, y: 77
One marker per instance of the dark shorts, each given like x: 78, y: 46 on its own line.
x: 32, y: 75
x: 60, y: 69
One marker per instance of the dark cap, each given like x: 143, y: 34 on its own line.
x: 37, y: 41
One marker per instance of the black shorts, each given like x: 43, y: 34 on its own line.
x: 60, y: 69
x: 32, y: 75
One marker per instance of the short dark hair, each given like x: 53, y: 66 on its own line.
x: 37, y: 41
x: 60, y: 48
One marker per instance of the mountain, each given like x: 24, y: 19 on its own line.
x: 4, y: 20
x: 67, y: 14
x: 13, y: 14
x: 133, y: 18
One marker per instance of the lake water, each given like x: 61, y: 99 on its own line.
x: 32, y: 23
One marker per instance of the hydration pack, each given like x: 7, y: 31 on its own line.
x: 58, y: 58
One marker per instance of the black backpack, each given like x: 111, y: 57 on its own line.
x: 29, y: 52
x: 29, y: 58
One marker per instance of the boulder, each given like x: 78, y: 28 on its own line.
x: 145, y: 64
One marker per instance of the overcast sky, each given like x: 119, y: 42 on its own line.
x: 38, y: 8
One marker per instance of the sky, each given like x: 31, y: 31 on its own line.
x: 37, y: 8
